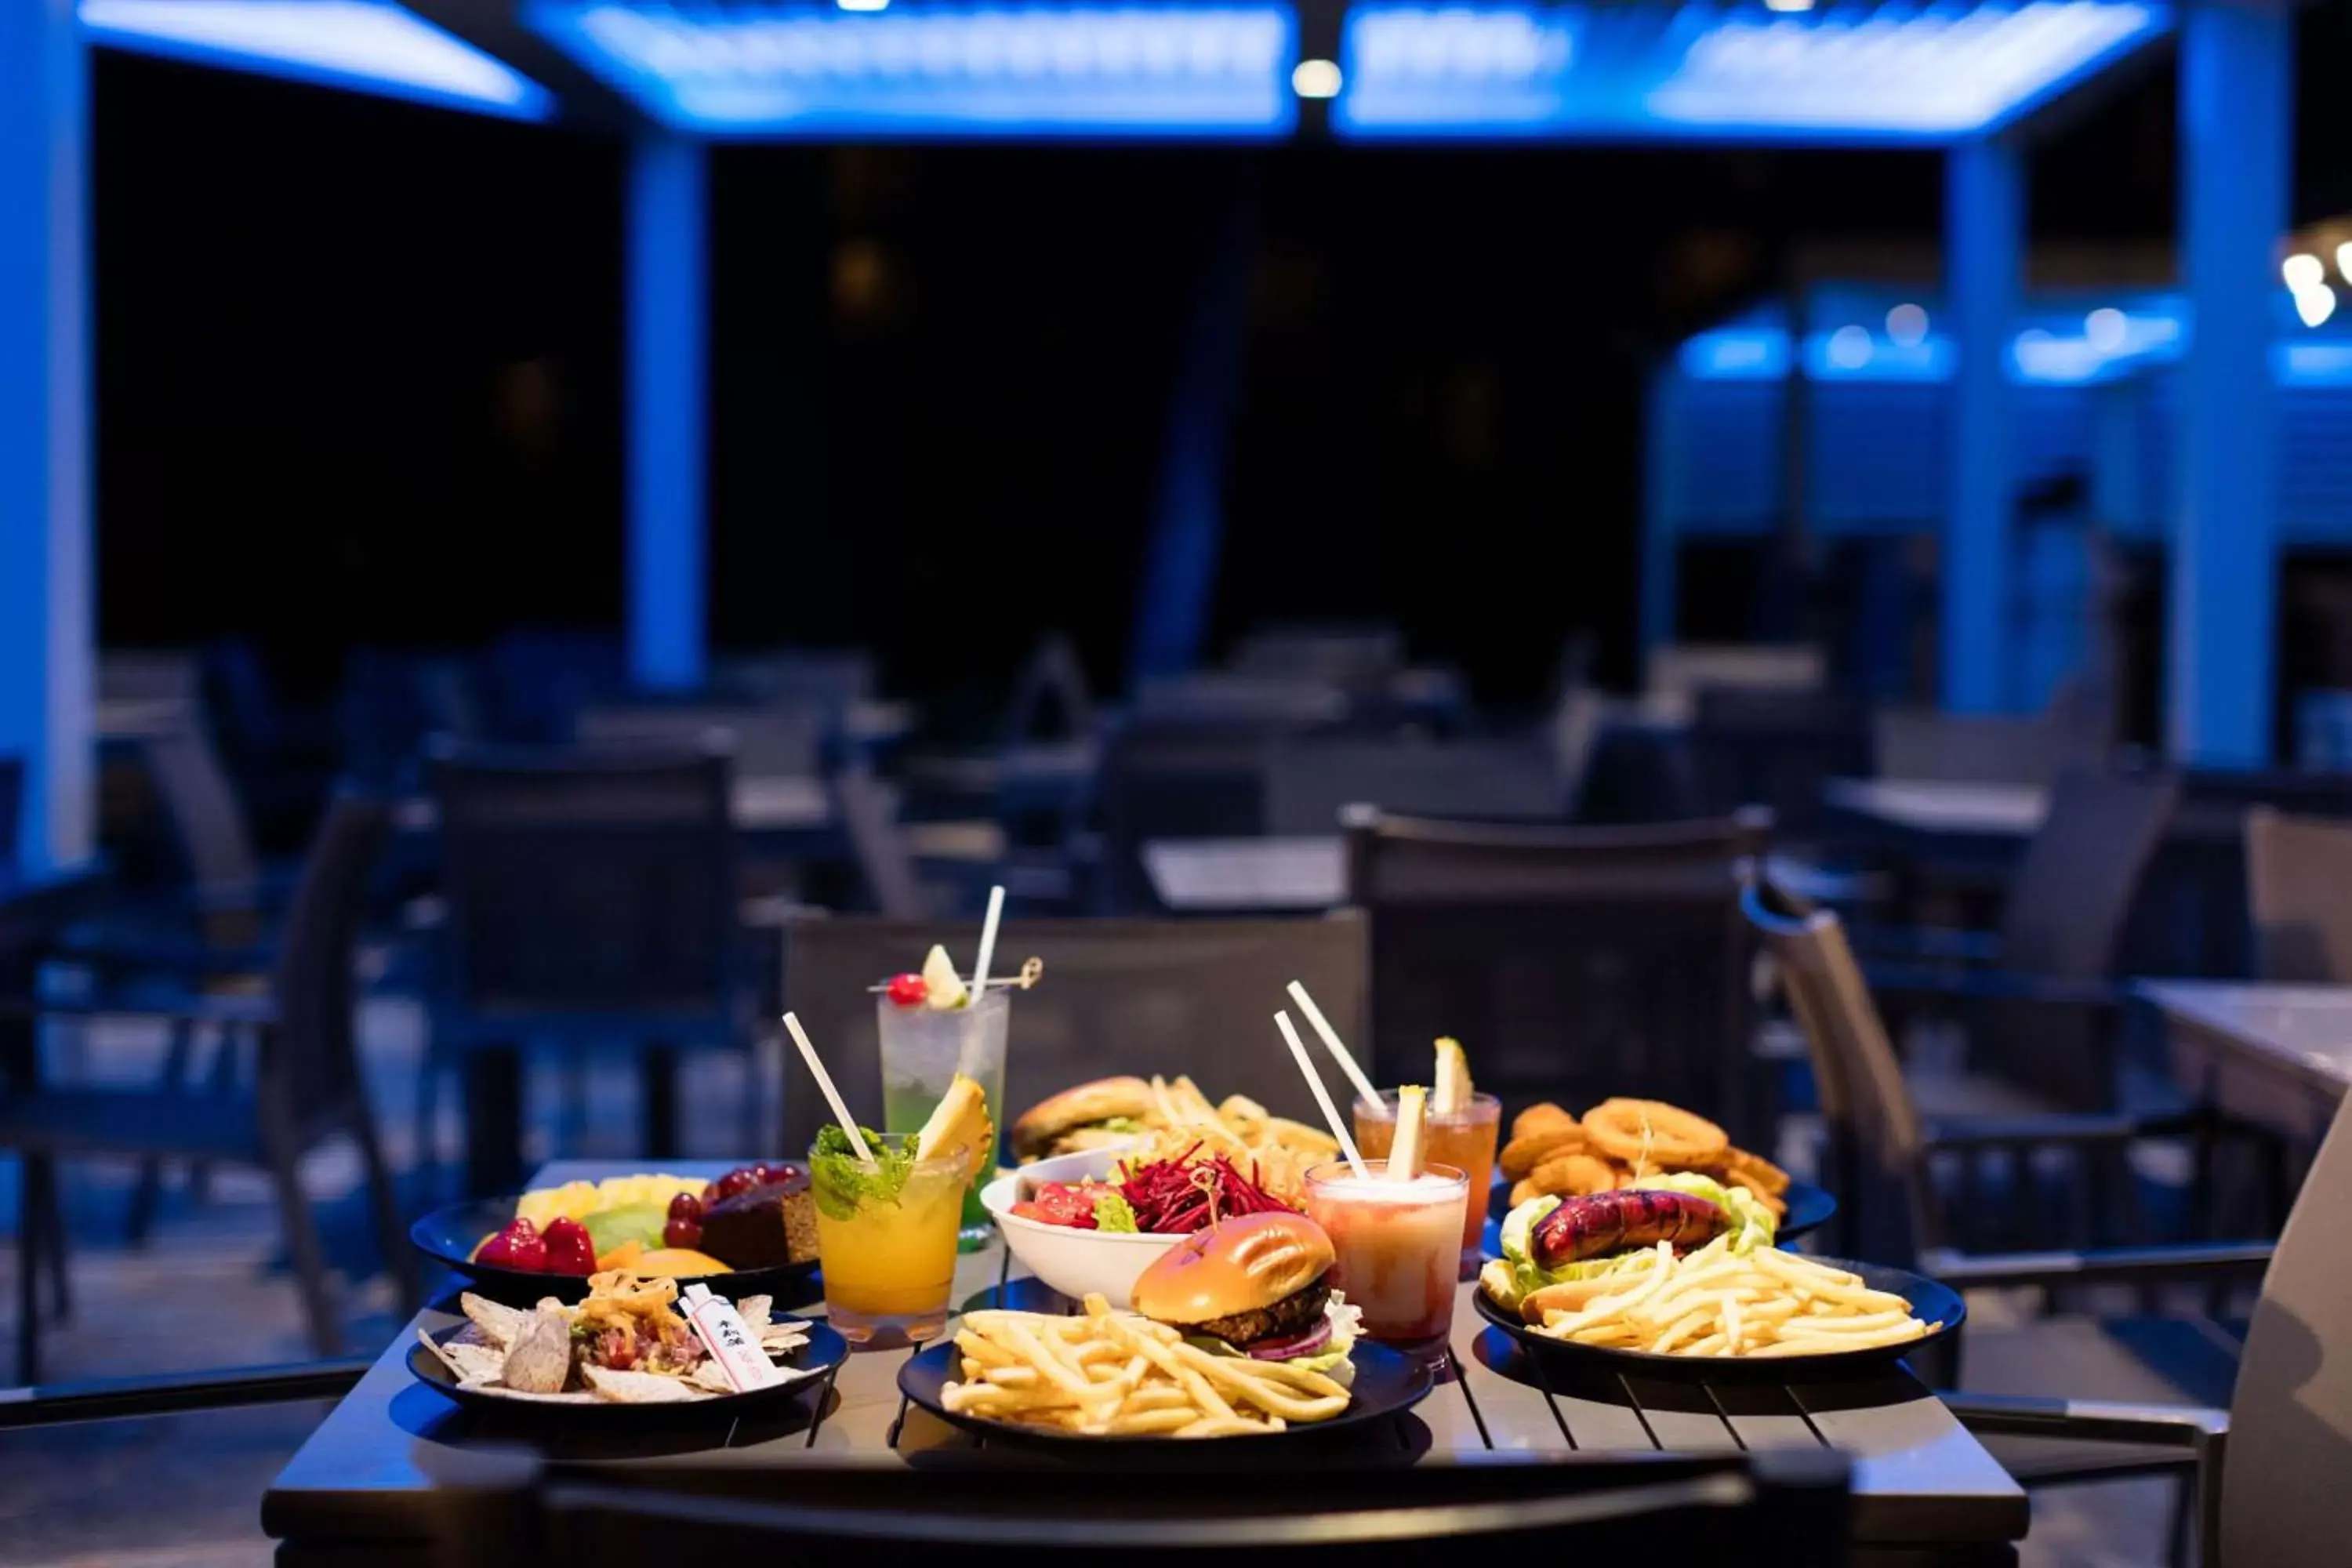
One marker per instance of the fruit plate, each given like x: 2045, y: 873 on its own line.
x: 1387, y: 1384
x: 1810, y: 1208
x: 825, y: 1349
x: 1932, y: 1302
x: 448, y: 1237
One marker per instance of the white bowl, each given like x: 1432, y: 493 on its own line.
x: 1071, y: 1261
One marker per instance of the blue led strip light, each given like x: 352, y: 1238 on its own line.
x: 363, y: 46
x: 1843, y: 73
x: 1044, y: 70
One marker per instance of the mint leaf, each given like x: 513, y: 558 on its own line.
x: 844, y: 1185
x: 1113, y: 1213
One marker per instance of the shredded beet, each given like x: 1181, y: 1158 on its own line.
x: 1178, y: 1197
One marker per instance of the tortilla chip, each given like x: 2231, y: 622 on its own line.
x: 503, y: 1392
x: 472, y: 1364
x: 708, y: 1375
x: 782, y: 1338
x: 755, y: 1311
x: 503, y: 1324
x: 444, y: 1357
x: 540, y: 1362
x: 639, y: 1388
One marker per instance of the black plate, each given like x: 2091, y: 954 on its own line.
x: 1936, y: 1305
x: 1810, y: 1208
x: 1388, y: 1382
x: 825, y: 1348
x: 448, y: 1234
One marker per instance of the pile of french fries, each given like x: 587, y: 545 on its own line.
x: 1714, y: 1302
x: 1107, y: 1374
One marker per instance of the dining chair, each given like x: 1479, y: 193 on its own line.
x: 1355, y: 657
x: 2038, y: 996
x: 1139, y: 996
x: 2265, y: 1475
x: 1340, y: 1508
x: 1777, y: 747
x: 1573, y: 963
x: 306, y: 1085
x: 2299, y: 896
x: 591, y: 902
x: 1172, y: 781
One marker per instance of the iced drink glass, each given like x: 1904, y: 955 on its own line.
x: 1464, y: 1139
x: 886, y: 1247
x: 922, y: 1050
x: 1398, y: 1246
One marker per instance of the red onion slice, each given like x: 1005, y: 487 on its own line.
x: 1299, y: 1344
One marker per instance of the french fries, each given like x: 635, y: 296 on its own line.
x: 1714, y: 1302
x: 1109, y: 1373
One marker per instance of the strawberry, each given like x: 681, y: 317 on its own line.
x: 569, y: 1251
x: 518, y: 1246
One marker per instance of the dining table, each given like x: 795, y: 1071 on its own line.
x: 360, y: 1489
x: 2275, y: 1055
x: 1295, y: 874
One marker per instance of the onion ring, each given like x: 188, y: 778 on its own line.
x: 1523, y: 1154
x: 1755, y: 1172
x: 1653, y: 1134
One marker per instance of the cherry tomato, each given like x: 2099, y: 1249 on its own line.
x: 1057, y: 1202
x: 908, y: 990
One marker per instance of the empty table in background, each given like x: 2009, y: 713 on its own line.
x: 2280, y: 1056
x: 780, y: 804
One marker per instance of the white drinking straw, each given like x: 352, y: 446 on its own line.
x: 1332, y: 1043
x: 987, y: 942
x: 824, y: 1082
x: 1322, y: 1095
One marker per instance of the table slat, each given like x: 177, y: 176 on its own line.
x: 1494, y: 1378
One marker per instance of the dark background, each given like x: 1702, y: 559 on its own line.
x: 359, y: 368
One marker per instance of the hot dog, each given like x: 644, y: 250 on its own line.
x: 1603, y: 1222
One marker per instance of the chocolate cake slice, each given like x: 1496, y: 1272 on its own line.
x: 763, y: 1228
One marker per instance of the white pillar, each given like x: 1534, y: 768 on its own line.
x: 45, y: 532
x: 666, y: 304
x: 1984, y: 249
x: 2237, y: 155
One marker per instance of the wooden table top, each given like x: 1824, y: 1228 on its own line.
x: 1919, y: 1478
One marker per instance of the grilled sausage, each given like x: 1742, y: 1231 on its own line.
x: 1603, y: 1222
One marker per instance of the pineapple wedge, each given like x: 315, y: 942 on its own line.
x: 1405, y: 1153
x: 1452, y: 1095
x: 960, y: 1118
x: 943, y: 989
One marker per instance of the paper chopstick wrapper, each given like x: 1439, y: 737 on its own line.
x: 729, y: 1341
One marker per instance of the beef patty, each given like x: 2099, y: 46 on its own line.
x: 1295, y: 1314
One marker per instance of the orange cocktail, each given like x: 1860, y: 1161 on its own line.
x: 1464, y: 1139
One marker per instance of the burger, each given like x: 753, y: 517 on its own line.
x: 1259, y: 1286
x: 1091, y: 1116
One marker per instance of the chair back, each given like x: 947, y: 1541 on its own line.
x: 1351, y: 657
x: 208, y: 822
x: 1779, y: 1509
x: 1309, y: 778
x: 587, y: 883
x: 1777, y: 747
x: 1181, y: 781
x: 2290, y: 1443
x: 2299, y: 893
x: 1978, y: 748
x: 2073, y: 889
x: 868, y: 816
x: 1572, y: 962
x: 1240, y: 703
x: 1877, y: 1145
x: 774, y: 739
x: 1139, y: 996
x: 1050, y: 698
x: 310, y: 1067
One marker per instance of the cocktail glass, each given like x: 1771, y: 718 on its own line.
x: 1398, y: 1246
x: 922, y: 1051
x: 1465, y: 1139
x: 887, y: 1251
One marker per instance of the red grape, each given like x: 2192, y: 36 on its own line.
x: 682, y: 1232
x: 686, y: 1206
